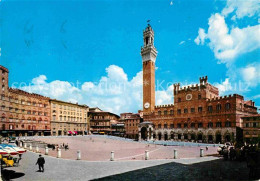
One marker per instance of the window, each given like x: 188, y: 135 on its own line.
x: 254, y: 125
x: 159, y: 113
x: 200, y: 125
x: 228, y: 124
x: 171, y: 112
x: 218, y: 107
x: 218, y: 125
x: 159, y: 126
x: 192, y: 110
x: 171, y: 126
x: 210, y: 108
x: 228, y: 106
x: 165, y: 112
x: 179, y: 99
x: 192, y: 125
x: 179, y: 111
x: 199, y: 96
x: 54, y: 117
x: 185, y: 110
x: 165, y: 126
x: 185, y: 125
x: 179, y: 125
x: 200, y: 109
x: 210, y: 124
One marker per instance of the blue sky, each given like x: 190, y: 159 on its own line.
x: 89, y: 51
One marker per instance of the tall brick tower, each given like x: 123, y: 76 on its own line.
x: 149, y: 53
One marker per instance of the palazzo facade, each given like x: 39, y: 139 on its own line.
x: 199, y: 113
x: 22, y: 113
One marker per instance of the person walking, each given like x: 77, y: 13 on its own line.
x: 41, y: 162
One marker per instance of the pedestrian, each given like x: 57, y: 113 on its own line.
x: 40, y: 162
x: 207, y: 148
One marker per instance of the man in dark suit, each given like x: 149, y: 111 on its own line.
x: 41, y: 163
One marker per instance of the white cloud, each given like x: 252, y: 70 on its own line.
x: 113, y: 92
x: 164, y: 96
x: 241, y: 8
x: 39, y: 80
x: 224, y: 86
x: 181, y: 42
x: 228, y: 44
x: 228, y: 41
x: 251, y: 74
x: 201, y: 37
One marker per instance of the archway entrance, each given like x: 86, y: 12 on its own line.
x: 218, y: 138
x: 154, y: 136
x: 199, y: 137
x: 185, y: 136
x: 179, y: 136
x: 165, y: 136
x: 144, y: 133
x: 159, y: 136
x: 210, y: 139
x: 192, y: 136
x: 172, y: 136
x: 227, y: 138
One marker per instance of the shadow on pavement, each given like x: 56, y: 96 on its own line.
x: 210, y: 170
x: 10, y: 174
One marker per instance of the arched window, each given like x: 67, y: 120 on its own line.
x: 218, y: 107
x: 228, y: 106
x: 210, y: 124
x: 146, y: 40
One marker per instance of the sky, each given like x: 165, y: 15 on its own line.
x: 89, y: 51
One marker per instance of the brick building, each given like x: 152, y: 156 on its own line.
x: 131, y: 121
x: 22, y: 113
x: 101, y: 121
x: 68, y: 118
x: 251, y: 128
x: 198, y: 112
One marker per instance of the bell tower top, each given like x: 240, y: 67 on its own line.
x: 148, y: 51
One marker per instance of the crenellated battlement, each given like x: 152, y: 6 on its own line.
x: 164, y: 106
x: 204, y: 80
x: 18, y: 91
x: 4, y: 68
x: 225, y: 97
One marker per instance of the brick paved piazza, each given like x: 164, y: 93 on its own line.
x: 196, y: 168
x: 98, y: 148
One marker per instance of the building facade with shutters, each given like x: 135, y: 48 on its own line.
x: 102, y: 122
x: 69, y: 118
x: 22, y: 113
x: 131, y: 122
x: 251, y: 128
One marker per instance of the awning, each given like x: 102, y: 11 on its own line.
x: 102, y: 132
x: 70, y: 132
x: 75, y: 132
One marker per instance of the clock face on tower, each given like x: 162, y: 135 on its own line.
x: 188, y: 97
x: 146, y: 105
